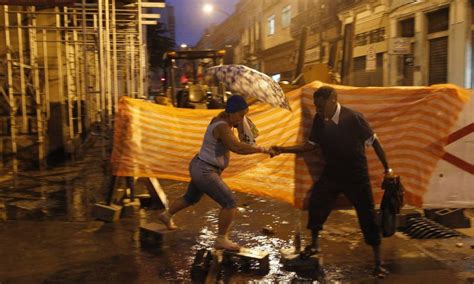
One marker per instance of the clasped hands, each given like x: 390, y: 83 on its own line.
x: 272, y: 151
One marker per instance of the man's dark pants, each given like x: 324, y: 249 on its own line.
x: 325, y: 192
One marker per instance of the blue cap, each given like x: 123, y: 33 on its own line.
x: 235, y: 104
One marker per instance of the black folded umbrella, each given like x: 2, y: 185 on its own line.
x: 392, y: 202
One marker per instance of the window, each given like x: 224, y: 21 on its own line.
x: 372, y: 36
x: 271, y: 25
x: 361, y: 39
x: 286, y: 16
x: 377, y: 35
x: 407, y: 27
x: 438, y: 20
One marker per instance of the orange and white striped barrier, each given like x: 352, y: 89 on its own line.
x: 413, y: 124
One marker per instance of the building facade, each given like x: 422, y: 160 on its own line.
x: 367, y: 42
x: 440, y: 35
x: 277, y: 50
x: 407, y: 42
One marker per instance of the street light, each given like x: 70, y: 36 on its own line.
x: 209, y: 8
x: 183, y: 46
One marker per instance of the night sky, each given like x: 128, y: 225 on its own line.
x: 191, y: 20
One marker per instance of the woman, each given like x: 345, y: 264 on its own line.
x: 206, y: 169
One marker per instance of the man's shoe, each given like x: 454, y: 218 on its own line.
x: 224, y: 243
x: 166, y: 218
x: 380, y: 272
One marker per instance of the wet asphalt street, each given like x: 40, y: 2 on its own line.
x: 47, y: 235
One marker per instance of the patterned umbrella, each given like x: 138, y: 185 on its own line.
x: 250, y: 83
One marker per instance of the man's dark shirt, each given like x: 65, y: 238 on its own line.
x: 343, y: 146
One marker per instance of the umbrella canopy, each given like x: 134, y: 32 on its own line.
x: 250, y: 83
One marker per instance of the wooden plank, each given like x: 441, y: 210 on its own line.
x: 151, y: 4
x: 151, y: 16
x: 158, y: 190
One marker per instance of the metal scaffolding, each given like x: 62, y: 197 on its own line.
x: 63, y: 69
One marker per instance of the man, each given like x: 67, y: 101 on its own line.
x: 207, y: 166
x: 342, y: 135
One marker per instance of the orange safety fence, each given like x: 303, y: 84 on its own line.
x: 412, y: 123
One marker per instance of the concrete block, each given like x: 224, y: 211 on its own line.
x: 25, y: 209
x: 106, y: 213
x: 449, y: 217
x: 248, y: 253
x: 299, y: 261
x: 430, y: 213
x: 304, y: 263
x: 452, y: 218
x: 250, y: 259
x: 130, y: 208
x: 157, y: 234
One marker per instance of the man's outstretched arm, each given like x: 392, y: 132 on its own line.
x: 300, y: 148
x: 381, y: 155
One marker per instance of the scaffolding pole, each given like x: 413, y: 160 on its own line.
x: 114, y: 47
x: 46, y: 74
x: 82, y: 58
x: 101, y: 58
x: 60, y: 75
x: 78, y: 77
x: 11, y: 95
x: 140, y: 49
x: 24, y: 114
x: 85, y: 75
x: 108, y: 70
x: 37, y: 92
